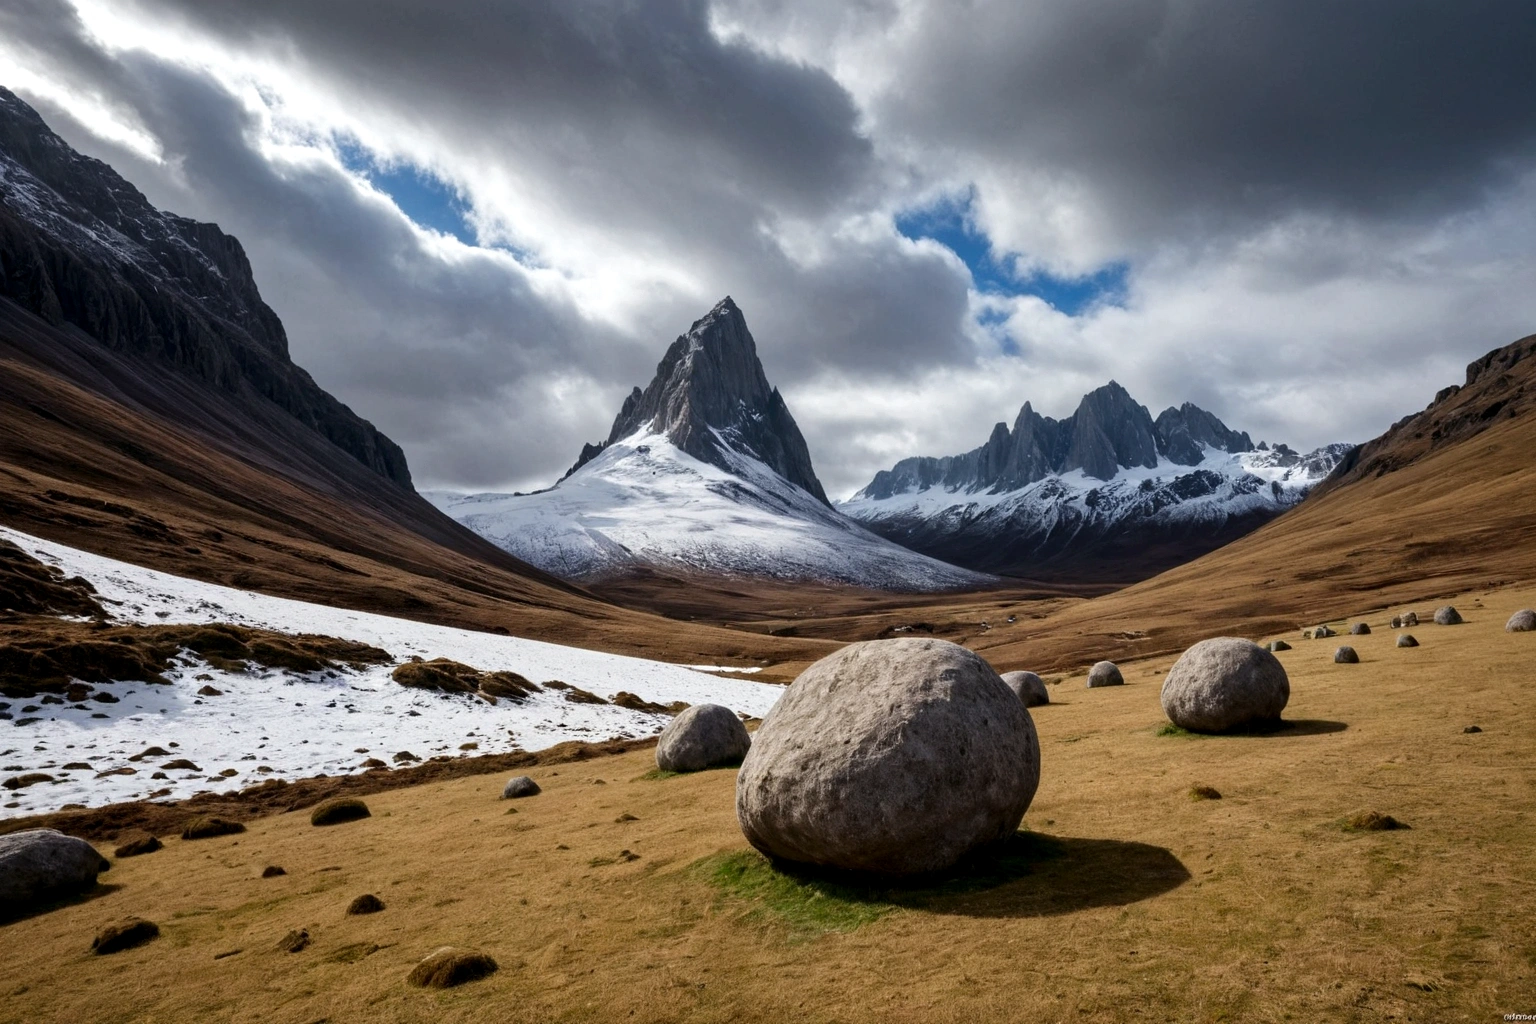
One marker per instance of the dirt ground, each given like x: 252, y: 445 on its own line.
x: 1126, y: 898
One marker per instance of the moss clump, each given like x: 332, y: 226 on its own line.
x: 338, y: 810
x: 447, y: 967
x: 1169, y: 729
x: 1373, y: 821
x: 810, y: 903
x: 138, y: 847
x: 135, y: 931
x: 1203, y: 793
x: 210, y: 827
x: 367, y: 903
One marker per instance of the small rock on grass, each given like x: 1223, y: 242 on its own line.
x: 1373, y: 821
x: 449, y: 966
x: 1407, y: 640
x: 1279, y: 645
x: 519, y: 786
x: 1203, y: 793
x: 338, y: 809
x: 272, y: 871
x: 125, y: 934
x: 1346, y: 656
x: 1472, y: 728
x: 1105, y: 673
x: 367, y: 903
x: 1523, y: 621
x: 1360, y: 629
x: 294, y: 941
x: 1448, y: 616
x: 138, y: 847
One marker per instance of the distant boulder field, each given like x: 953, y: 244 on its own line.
x: 894, y: 757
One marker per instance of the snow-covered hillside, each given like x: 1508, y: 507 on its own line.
x: 643, y: 501
x: 279, y: 724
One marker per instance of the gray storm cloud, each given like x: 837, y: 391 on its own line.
x: 1324, y: 208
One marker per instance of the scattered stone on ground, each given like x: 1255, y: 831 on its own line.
x: 1203, y: 793
x: 625, y: 699
x: 1373, y: 821
x: 1029, y: 686
x: 704, y: 736
x: 210, y: 691
x: 1360, y: 629
x: 889, y: 756
x: 1279, y: 645
x: 1322, y: 633
x: 209, y: 826
x: 448, y: 966
x: 180, y: 764
x: 41, y: 864
x: 1407, y: 640
x: 294, y: 941
x: 1523, y: 621
x: 367, y: 903
x: 1397, y: 622
x: 374, y: 762
x: 1105, y: 673
x: 405, y: 757
x: 626, y: 816
x: 519, y: 786
x: 125, y: 934
x: 1225, y: 683
x: 1472, y: 729
x: 1346, y: 656
x: 272, y: 871
x: 1411, y: 619
x: 138, y: 847
x: 150, y: 752
x: 29, y: 779
x: 338, y: 809
x: 1447, y: 616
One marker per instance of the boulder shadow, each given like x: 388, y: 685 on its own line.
x: 1293, y: 727
x: 1027, y: 875
x: 13, y: 914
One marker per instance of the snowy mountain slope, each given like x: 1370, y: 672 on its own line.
x: 1107, y: 493
x: 275, y: 724
x: 644, y: 501
x: 704, y: 471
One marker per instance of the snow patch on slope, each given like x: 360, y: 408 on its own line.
x: 643, y: 501
x: 298, y: 724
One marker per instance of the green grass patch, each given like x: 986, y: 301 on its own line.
x: 809, y: 903
x: 1169, y: 729
x: 657, y: 775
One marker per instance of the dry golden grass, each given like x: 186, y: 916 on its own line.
x: 1127, y: 900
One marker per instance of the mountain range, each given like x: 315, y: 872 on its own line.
x: 1106, y: 493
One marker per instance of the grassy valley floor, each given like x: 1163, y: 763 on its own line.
x: 618, y: 895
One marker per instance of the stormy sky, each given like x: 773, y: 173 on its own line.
x: 483, y: 222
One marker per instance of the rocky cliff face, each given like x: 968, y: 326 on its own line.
x: 709, y: 394
x: 80, y: 246
x: 1108, y: 493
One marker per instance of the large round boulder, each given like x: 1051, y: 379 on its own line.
x: 1225, y: 683
x: 890, y: 756
x: 1105, y: 673
x: 1447, y: 616
x: 1030, y: 688
x: 41, y: 864
x: 1523, y: 621
x: 702, y: 736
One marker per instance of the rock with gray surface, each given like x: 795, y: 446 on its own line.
x: 1448, y: 616
x: 703, y: 736
x: 1029, y: 686
x: 1411, y: 619
x: 519, y: 786
x: 1225, y: 683
x: 1360, y: 629
x: 1322, y: 632
x: 891, y: 756
x: 1346, y: 656
x: 41, y: 864
x: 1105, y: 673
x: 1407, y: 640
x: 1523, y: 621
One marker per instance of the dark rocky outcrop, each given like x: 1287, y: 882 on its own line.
x: 890, y: 756
x: 79, y: 245
x: 710, y: 391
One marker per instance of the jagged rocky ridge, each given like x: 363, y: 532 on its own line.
x: 1108, y: 493
x: 705, y: 471
x: 80, y: 246
x: 710, y: 398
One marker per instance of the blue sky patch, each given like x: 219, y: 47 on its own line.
x: 421, y: 196
x: 949, y: 224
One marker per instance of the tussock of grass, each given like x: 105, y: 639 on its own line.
x: 1373, y: 821
x: 657, y: 775
x: 1169, y: 729
x: 1203, y: 793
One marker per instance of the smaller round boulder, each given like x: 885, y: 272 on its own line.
x: 1523, y: 621
x: 519, y: 786
x: 1279, y: 645
x: 1105, y: 673
x: 367, y: 903
x: 338, y: 809
x: 42, y: 864
x: 1225, y: 683
x: 1411, y: 619
x: 1407, y: 640
x: 1029, y: 686
x: 1397, y: 622
x: 1360, y: 629
x: 703, y: 736
x: 1447, y: 616
x: 1346, y: 656
x: 1322, y: 632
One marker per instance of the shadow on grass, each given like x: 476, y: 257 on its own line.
x: 662, y: 774
x: 1274, y: 727
x: 12, y: 915
x: 1026, y: 875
